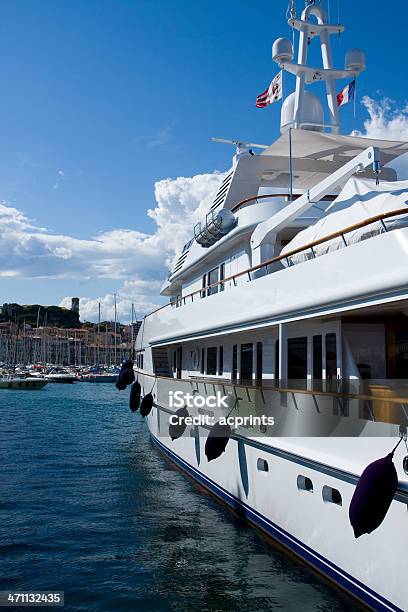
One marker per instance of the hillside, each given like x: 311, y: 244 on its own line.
x: 49, y: 315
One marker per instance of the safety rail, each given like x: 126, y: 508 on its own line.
x: 264, y: 265
x: 243, y: 203
x: 284, y: 388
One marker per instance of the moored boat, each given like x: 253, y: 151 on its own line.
x: 23, y: 383
x: 61, y: 376
x: 99, y: 378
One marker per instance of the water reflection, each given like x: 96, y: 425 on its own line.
x: 89, y: 506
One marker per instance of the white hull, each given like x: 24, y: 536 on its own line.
x: 23, y: 383
x: 371, y: 568
x: 298, y: 311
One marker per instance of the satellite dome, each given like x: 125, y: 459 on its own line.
x: 355, y: 60
x: 282, y: 50
x: 311, y: 112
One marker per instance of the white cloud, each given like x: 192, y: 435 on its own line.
x: 142, y: 294
x: 387, y: 121
x: 135, y: 261
x: 181, y: 203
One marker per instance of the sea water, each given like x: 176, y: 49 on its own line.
x: 90, y: 507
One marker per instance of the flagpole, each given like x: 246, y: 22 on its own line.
x: 355, y: 96
x: 290, y: 166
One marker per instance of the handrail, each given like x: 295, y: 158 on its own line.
x: 242, y: 203
x: 227, y: 383
x: 268, y: 262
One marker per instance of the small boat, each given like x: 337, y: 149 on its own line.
x: 23, y: 383
x: 60, y: 376
x: 99, y: 378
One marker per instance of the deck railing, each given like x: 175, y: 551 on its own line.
x: 383, y: 403
x: 246, y: 201
x: 285, y: 387
x: 265, y: 265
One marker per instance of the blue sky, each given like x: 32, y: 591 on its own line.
x: 102, y: 99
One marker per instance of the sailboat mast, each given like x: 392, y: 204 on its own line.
x: 115, y: 328
x: 99, y: 331
x: 36, y: 336
x: 131, y: 330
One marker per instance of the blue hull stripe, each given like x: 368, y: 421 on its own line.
x: 346, y: 581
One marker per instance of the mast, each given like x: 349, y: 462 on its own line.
x: 302, y: 109
x: 99, y: 331
x: 44, y: 340
x: 24, y: 357
x: 36, y: 336
x: 131, y: 332
x: 15, y: 346
x: 115, y: 328
x: 107, y: 346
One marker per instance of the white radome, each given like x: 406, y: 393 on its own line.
x: 282, y: 50
x: 355, y: 60
x: 312, y: 112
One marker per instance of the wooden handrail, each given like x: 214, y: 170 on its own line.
x: 227, y: 383
x: 268, y: 262
x: 241, y: 203
x: 258, y: 197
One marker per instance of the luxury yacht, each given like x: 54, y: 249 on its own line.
x: 287, y: 311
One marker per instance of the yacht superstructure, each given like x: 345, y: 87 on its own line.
x: 291, y: 301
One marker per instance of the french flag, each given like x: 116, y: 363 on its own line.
x: 346, y: 94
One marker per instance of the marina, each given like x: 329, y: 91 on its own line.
x: 84, y: 490
x: 204, y: 312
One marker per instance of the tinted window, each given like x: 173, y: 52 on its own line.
x: 221, y: 360
x: 179, y: 361
x: 202, y: 361
x: 212, y: 360
x: 331, y: 356
x: 277, y: 360
x: 246, y: 363
x: 401, y: 354
x: 259, y: 363
x: 222, y: 276
x: 297, y: 358
x: 234, y: 369
x: 213, y: 278
x: 317, y: 357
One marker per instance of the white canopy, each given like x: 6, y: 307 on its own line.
x: 360, y: 199
x: 315, y: 155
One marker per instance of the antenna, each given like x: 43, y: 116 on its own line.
x: 240, y: 144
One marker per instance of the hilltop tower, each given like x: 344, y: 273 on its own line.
x: 75, y: 305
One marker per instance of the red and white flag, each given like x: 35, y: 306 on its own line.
x: 272, y: 94
x: 346, y: 94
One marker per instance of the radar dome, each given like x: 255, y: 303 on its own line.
x: 311, y: 112
x: 355, y: 60
x: 282, y: 50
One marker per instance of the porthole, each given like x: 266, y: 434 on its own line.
x: 262, y: 465
x: 331, y: 496
x: 304, y: 484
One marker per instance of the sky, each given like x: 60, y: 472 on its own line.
x: 106, y: 114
